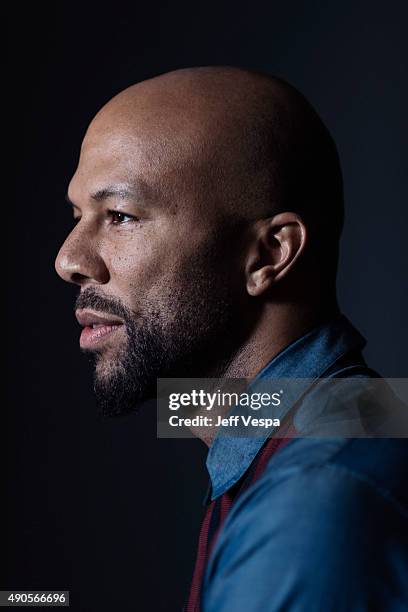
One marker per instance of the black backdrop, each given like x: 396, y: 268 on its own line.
x: 104, y: 508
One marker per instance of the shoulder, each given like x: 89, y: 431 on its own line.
x: 380, y: 463
x: 329, y: 479
x: 325, y: 517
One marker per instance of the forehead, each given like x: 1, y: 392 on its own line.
x: 113, y: 151
x: 177, y: 154
x: 115, y: 156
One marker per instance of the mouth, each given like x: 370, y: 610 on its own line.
x: 97, y: 328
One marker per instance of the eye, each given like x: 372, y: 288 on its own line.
x: 119, y: 217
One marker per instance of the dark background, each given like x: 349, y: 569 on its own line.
x: 104, y: 509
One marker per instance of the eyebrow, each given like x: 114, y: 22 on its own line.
x: 123, y: 192
x: 112, y: 191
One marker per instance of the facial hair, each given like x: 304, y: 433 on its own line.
x: 190, y: 331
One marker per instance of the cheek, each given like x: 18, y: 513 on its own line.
x: 135, y: 267
x: 140, y: 267
x: 146, y: 264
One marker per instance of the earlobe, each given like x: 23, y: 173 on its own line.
x: 257, y: 281
x: 278, y: 243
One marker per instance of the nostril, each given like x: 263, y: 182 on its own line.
x: 78, y: 278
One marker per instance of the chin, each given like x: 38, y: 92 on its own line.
x: 107, y: 369
x: 116, y: 393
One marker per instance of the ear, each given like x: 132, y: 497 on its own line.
x: 278, y: 243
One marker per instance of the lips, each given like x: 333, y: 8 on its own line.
x: 97, y: 328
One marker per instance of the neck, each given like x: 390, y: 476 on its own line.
x: 278, y: 326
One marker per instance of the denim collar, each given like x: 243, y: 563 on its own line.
x: 312, y: 356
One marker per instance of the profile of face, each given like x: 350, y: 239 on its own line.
x: 184, y: 248
x: 156, y: 257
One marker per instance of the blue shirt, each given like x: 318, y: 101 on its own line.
x: 326, y: 526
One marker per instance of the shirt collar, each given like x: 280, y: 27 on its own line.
x: 310, y: 357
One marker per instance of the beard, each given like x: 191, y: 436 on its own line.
x: 191, y: 330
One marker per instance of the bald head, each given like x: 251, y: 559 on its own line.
x: 205, y: 197
x: 238, y: 124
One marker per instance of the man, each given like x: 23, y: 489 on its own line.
x: 208, y: 206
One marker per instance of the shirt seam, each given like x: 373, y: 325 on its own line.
x: 354, y: 474
x: 373, y: 485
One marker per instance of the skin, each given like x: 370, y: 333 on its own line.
x: 173, y: 147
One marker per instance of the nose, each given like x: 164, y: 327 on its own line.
x: 79, y: 262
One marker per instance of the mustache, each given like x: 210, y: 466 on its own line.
x: 92, y: 299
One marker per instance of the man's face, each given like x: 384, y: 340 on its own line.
x: 156, y: 260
